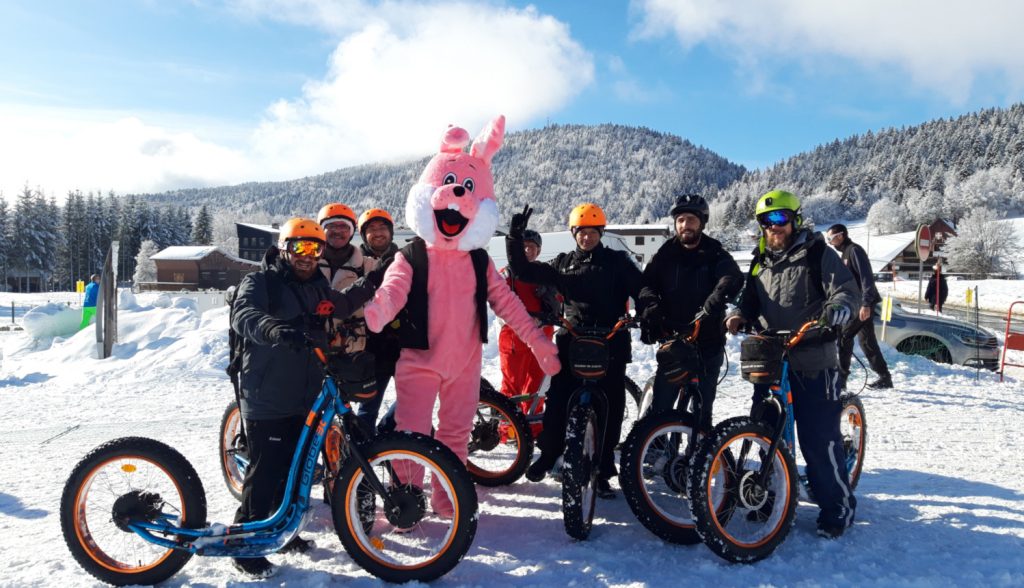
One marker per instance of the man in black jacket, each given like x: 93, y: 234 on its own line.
x: 378, y: 232
x: 690, y: 277
x: 596, y: 284
x: 862, y: 325
x: 274, y: 312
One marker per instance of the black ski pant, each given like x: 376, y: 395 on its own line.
x: 666, y: 394
x: 816, y: 407
x: 556, y: 413
x: 271, y: 445
x: 369, y: 411
x: 865, y: 333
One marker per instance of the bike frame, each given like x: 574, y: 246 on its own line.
x: 781, y: 398
x: 266, y: 536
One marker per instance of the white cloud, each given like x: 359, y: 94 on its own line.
x: 400, y: 73
x: 394, y: 85
x: 65, y: 149
x: 943, y: 45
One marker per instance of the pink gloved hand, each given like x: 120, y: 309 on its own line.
x: 374, y: 316
x: 546, y: 353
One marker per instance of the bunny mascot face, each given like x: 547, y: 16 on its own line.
x: 452, y: 205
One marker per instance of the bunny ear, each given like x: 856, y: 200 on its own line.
x: 489, y: 140
x: 454, y: 140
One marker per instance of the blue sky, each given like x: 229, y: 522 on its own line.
x: 145, y: 95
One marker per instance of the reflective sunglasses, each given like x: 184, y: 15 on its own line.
x: 775, y: 218
x: 305, y: 247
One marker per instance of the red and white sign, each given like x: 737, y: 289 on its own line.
x: 924, y: 242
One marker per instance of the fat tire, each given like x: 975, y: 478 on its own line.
x: 579, y: 472
x: 233, y: 483
x: 706, y: 518
x: 517, y: 422
x: 175, y: 466
x: 465, y: 502
x: 856, y: 466
x: 634, y: 488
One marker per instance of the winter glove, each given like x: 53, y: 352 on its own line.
x: 520, y: 220
x: 652, y: 318
x: 837, y: 315
x: 287, y: 335
x: 546, y: 353
x: 376, y: 277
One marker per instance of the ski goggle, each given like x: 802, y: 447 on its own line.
x: 775, y: 218
x: 305, y: 247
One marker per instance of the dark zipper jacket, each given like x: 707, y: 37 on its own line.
x: 277, y: 381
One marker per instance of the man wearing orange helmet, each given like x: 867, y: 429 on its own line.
x: 378, y: 232
x: 377, y: 229
x: 596, y: 284
x: 342, y: 263
x: 274, y: 313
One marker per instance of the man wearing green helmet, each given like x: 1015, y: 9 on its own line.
x: 795, y: 278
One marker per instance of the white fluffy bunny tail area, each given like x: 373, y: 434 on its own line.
x: 479, y: 232
x: 418, y: 212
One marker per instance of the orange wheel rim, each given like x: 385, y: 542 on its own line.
x: 84, y: 535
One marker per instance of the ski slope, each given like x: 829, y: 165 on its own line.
x: 941, y: 501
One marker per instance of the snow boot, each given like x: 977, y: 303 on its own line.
x: 884, y: 382
x: 257, y: 567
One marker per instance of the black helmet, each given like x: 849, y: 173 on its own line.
x: 693, y: 203
x: 531, y: 235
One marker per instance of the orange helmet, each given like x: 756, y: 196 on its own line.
x: 301, y: 228
x: 375, y: 214
x: 587, y: 214
x: 335, y: 211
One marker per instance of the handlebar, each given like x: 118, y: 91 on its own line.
x: 626, y: 322
x: 792, y: 339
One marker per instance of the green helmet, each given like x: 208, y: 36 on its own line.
x: 777, y: 200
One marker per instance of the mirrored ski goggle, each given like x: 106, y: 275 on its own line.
x: 775, y: 218
x: 305, y: 247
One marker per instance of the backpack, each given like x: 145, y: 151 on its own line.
x: 236, y: 343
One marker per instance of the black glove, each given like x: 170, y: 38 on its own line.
x: 653, y: 319
x: 376, y: 277
x: 287, y: 335
x: 517, y: 226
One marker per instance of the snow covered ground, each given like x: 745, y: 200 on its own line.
x: 941, y: 498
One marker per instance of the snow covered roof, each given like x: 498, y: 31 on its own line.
x: 652, y: 229
x: 184, y: 253
x: 195, y: 253
x: 267, y: 228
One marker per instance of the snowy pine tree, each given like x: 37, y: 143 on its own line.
x: 202, y: 229
x: 145, y: 268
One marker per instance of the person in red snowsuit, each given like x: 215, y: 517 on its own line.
x: 520, y: 372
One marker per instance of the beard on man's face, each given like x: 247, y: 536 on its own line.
x: 689, y: 237
x: 778, y: 240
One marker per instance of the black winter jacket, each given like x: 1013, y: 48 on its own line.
x: 856, y: 260
x: 384, y: 345
x: 277, y: 381
x: 683, y: 281
x: 596, y: 285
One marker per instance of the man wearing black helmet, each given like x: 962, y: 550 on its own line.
x: 520, y: 372
x: 690, y: 277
